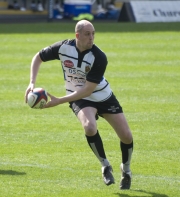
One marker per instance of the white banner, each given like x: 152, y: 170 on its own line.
x: 156, y: 11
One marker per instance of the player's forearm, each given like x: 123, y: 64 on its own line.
x: 82, y: 93
x: 35, y: 64
x: 68, y: 98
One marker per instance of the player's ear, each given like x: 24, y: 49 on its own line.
x: 77, y: 35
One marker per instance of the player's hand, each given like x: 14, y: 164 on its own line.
x: 54, y: 101
x: 29, y: 89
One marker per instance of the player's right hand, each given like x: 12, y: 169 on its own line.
x: 29, y: 89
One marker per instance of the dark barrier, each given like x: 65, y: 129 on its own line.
x: 126, y: 14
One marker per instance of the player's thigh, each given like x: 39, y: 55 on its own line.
x: 87, y: 118
x: 120, y: 125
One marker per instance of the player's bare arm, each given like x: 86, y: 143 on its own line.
x: 35, y: 64
x: 79, y: 94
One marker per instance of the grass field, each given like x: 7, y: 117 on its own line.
x: 44, y: 152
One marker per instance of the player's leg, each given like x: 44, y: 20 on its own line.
x: 120, y: 125
x: 87, y: 117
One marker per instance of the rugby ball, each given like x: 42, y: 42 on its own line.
x: 37, y: 98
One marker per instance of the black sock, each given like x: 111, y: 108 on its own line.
x: 127, y: 150
x: 96, y: 144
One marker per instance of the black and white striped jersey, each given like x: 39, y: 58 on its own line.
x: 79, y: 66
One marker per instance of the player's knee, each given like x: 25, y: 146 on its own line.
x: 127, y: 138
x: 90, y: 128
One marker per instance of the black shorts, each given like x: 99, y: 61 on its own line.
x: 110, y: 106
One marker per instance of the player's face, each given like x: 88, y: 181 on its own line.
x: 86, y: 38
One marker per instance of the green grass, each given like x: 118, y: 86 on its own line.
x: 44, y: 152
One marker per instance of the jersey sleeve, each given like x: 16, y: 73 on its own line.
x: 97, y: 71
x: 51, y: 52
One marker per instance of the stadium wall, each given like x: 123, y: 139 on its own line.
x: 131, y: 11
x: 150, y: 11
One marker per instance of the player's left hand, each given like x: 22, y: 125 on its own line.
x: 54, y: 101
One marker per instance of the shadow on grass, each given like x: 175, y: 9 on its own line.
x: 11, y: 172
x: 105, y: 27
x: 143, y: 194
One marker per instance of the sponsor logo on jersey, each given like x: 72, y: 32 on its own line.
x: 68, y: 63
x: 77, y: 81
x: 87, y: 68
x: 81, y: 73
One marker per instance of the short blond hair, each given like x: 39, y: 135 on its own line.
x: 81, y: 24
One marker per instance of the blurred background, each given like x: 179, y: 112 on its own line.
x: 115, y: 10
